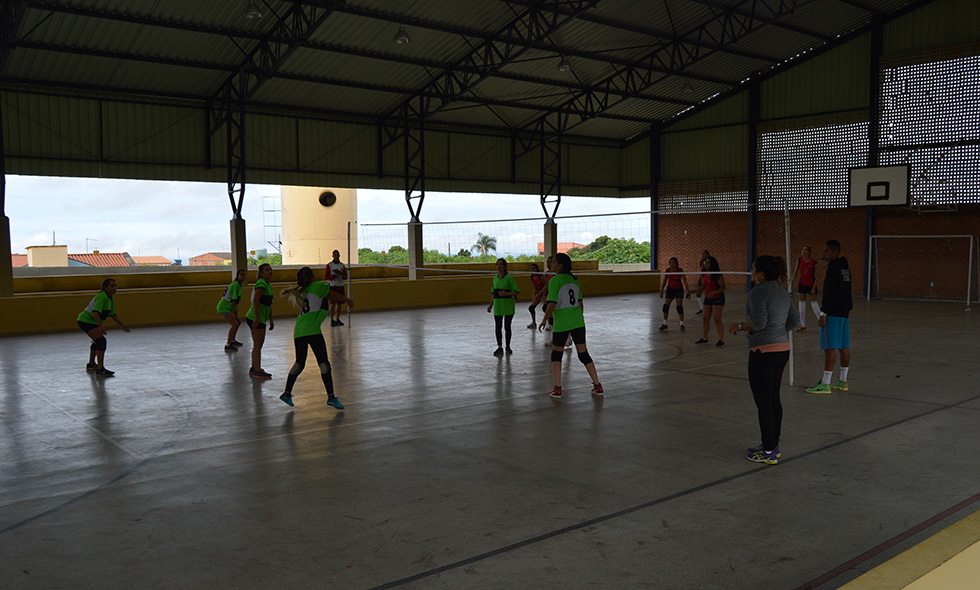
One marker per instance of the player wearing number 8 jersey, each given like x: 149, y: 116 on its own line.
x: 312, y: 298
x: 565, y: 305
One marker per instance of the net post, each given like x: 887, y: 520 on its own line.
x: 789, y: 288
x: 348, y: 279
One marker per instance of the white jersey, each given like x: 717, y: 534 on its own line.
x: 336, y: 273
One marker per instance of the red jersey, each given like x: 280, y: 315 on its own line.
x: 710, y: 285
x: 806, y: 271
x: 674, y: 280
x: 538, y: 282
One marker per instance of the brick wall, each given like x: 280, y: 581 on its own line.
x: 907, y: 266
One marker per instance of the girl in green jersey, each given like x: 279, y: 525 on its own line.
x: 101, y: 308
x: 228, y: 308
x: 258, y: 316
x: 565, y: 305
x: 311, y: 298
x: 502, y: 304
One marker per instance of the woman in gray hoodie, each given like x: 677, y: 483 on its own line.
x: 770, y: 316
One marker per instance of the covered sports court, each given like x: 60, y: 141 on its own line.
x: 450, y: 468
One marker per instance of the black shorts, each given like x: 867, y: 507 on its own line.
x: 674, y: 293
x: 254, y: 326
x: 719, y: 300
x: 560, y: 338
x: 86, y: 327
x: 804, y: 289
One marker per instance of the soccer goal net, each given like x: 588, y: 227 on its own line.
x: 936, y: 268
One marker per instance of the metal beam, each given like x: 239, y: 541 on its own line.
x: 727, y: 27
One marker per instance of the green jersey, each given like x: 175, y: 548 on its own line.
x: 265, y: 302
x: 503, y: 304
x: 315, y: 309
x: 101, y: 304
x: 233, y: 294
x: 566, y: 294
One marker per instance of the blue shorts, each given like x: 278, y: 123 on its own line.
x: 836, y: 334
x: 804, y: 289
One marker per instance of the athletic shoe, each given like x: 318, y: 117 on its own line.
x: 720, y: 343
x: 91, y: 367
x: 340, y: 323
x: 662, y: 327
x: 701, y: 341
x: 820, y: 388
x: 335, y: 402
x: 801, y: 330
x: 260, y: 374
x: 700, y: 311
x: 597, y: 389
x: 105, y: 372
x: 236, y: 343
x: 230, y: 348
x: 683, y: 328
x: 287, y: 398
x: 556, y: 392
x: 333, y: 323
x: 498, y: 352
x: 531, y: 326
x: 769, y: 458
x: 760, y: 449
x: 508, y: 350
x: 839, y: 385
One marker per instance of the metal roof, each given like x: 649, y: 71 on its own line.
x: 631, y: 62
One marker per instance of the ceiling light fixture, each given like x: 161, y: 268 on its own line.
x: 253, y: 10
x: 564, y: 66
x: 401, y: 37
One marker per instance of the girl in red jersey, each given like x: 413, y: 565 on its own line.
x: 673, y: 286
x: 807, y: 287
x: 538, y: 292
x: 713, y: 287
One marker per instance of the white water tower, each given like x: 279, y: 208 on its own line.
x: 314, y: 224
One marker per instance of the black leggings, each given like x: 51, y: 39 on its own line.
x: 506, y: 320
x: 319, y: 347
x: 765, y: 375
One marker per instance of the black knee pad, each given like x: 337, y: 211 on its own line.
x: 556, y: 355
x: 100, y: 343
x: 325, y: 368
x: 584, y: 357
x: 666, y: 307
x: 532, y: 307
x: 680, y: 309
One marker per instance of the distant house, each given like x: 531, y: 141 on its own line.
x: 562, y: 247
x: 101, y: 259
x: 152, y: 261
x: 18, y: 260
x: 211, y: 259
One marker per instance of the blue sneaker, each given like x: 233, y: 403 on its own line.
x: 763, y: 457
x: 760, y: 448
x: 287, y: 398
x: 335, y: 402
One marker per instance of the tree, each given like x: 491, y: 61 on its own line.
x: 484, y: 244
x: 464, y: 252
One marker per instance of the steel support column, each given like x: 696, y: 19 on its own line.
x: 655, y: 169
x: 753, y: 151
x: 6, y: 262
x: 874, y: 129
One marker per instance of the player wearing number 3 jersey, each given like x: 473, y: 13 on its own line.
x: 565, y: 305
x: 312, y: 298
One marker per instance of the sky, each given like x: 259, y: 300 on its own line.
x: 185, y: 219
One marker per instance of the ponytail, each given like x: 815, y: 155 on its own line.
x: 304, y: 278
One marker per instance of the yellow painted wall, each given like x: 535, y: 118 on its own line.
x: 154, y: 299
x: 47, y: 256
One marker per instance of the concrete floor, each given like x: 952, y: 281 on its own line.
x: 451, y: 468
